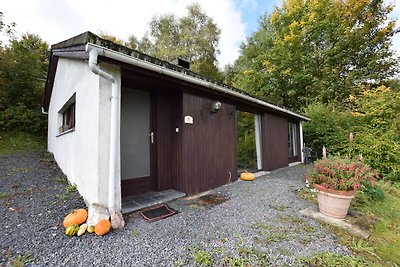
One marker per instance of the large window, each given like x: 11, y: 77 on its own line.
x: 292, y: 139
x: 67, y: 116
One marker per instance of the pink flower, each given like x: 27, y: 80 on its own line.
x: 341, y: 174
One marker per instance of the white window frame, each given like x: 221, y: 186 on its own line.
x: 67, y: 116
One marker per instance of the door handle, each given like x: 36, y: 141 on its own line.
x: 152, y: 137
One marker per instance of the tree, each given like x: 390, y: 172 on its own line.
x: 309, y: 50
x: 144, y: 45
x: 374, y: 122
x: 23, y: 69
x: 111, y: 38
x: 194, y: 37
x: 6, y: 29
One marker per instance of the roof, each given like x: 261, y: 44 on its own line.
x: 75, y: 47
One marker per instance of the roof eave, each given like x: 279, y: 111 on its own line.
x: 109, y: 53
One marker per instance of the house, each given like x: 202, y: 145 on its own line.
x: 122, y: 123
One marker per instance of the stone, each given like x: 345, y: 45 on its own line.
x: 117, y: 221
x: 313, y: 212
x: 97, y: 212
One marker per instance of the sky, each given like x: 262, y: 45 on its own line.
x: 58, y: 20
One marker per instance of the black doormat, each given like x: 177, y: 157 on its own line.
x: 158, y: 213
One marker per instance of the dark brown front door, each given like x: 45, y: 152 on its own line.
x: 137, y: 142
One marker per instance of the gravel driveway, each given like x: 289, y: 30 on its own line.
x: 258, y: 225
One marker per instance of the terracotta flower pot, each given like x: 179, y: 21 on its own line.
x: 334, y: 203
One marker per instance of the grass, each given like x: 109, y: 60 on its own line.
x: 179, y: 263
x: 202, y: 257
x: 63, y: 197
x: 334, y: 260
x: 291, y: 219
x: 15, y: 170
x: 61, y: 180
x: 385, y: 237
x: 19, y: 260
x: 274, y: 237
x: 382, y: 218
x: 3, y: 195
x: 307, y: 194
x: 70, y: 190
x: 238, y: 262
x: 284, y: 251
x: 11, y: 142
x: 248, y: 254
x: 135, y: 233
x: 310, y: 229
x: 244, y: 257
x: 261, y: 227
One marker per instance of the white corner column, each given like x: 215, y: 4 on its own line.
x: 117, y: 220
x: 301, y: 141
x: 257, y: 123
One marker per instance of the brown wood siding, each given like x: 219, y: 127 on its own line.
x: 168, y: 110
x: 200, y: 156
x: 208, y: 146
x: 274, y: 141
x: 168, y: 145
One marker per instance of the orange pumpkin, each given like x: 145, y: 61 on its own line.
x: 102, y: 227
x: 247, y: 176
x: 78, y: 217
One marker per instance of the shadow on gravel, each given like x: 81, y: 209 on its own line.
x: 213, y: 199
x: 207, y: 201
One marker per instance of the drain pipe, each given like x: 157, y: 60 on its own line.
x: 116, y: 216
x: 44, y: 112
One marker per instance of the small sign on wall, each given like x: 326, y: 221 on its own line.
x: 188, y: 119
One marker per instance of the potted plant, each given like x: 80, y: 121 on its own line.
x: 336, y: 181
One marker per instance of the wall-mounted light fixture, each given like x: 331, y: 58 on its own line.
x: 216, y: 106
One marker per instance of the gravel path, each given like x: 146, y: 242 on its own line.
x: 259, y: 224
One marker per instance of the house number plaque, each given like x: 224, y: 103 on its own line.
x: 188, y: 119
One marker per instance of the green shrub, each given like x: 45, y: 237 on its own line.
x: 329, y: 127
x: 374, y: 120
x: 379, y: 138
x: 368, y: 195
x: 374, y: 193
x: 22, y: 119
x: 380, y: 151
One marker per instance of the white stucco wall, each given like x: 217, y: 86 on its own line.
x: 83, y: 154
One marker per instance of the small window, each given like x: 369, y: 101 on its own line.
x: 292, y: 139
x: 67, y: 113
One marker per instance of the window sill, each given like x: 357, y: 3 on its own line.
x: 67, y: 131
